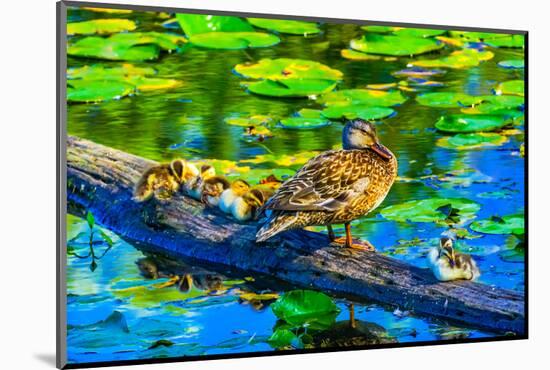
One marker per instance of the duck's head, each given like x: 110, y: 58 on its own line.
x: 214, y: 186
x: 240, y: 187
x: 361, y: 134
x: 178, y: 168
x: 254, y: 198
x: 446, y: 250
x: 207, y: 171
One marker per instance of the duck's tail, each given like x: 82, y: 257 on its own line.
x: 274, y: 225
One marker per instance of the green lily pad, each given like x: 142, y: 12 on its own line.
x: 298, y: 87
x: 379, y: 29
x: 285, y: 26
x: 306, y: 307
x: 195, y: 24
x: 137, y: 46
x: 303, y: 123
x: 476, y: 36
x: 510, y: 41
x: 464, y: 58
x: 448, y: 99
x: 99, y: 71
x: 512, y: 87
x: 471, y: 141
x: 309, y: 113
x: 418, y: 32
x: 91, y: 91
x: 286, y: 69
x: 430, y: 210
x: 100, y: 26
x: 234, y: 40
x: 510, y: 224
x: 357, y: 55
x: 357, y: 111
x: 394, y: 45
x: 498, y: 104
x: 254, y: 120
x: 512, y: 64
x: 465, y: 123
x: 284, y: 338
x: 289, y: 77
x: 368, y: 97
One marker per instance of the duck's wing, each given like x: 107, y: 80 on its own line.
x: 325, y: 183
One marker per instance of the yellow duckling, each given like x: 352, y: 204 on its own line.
x: 212, y: 190
x: 448, y: 265
x: 163, y: 180
x: 193, y: 187
x: 237, y: 189
x: 244, y: 208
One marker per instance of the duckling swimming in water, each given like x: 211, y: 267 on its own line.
x: 244, y: 208
x: 164, y: 180
x: 193, y: 187
x: 212, y: 189
x: 448, y: 265
x: 237, y: 189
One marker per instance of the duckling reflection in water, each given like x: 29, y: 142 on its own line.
x: 448, y: 265
x: 164, y: 180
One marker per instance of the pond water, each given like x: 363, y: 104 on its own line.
x: 211, y: 317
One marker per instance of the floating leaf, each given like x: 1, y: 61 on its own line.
x: 510, y: 41
x: 362, y: 96
x: 137, y: 46
x: 418, y: 32
x: 357, y: 111
x: 298, y: 87
x: 285, y: 26
x: 471, y: 141
x: 287, y: 69
x: 92, y: 91
x: 100, y: 26
x: 512, y: 64
x: 309, y: 113
x: 426, y: 210
x: 259, y: 297
x: 418, y: 72
x: 284, y: 338
x: 448, y: 99
x: 357, y: 55
x: 107, y: 10
x: 477, y: 36
x: 465, y: 123
x: 303, y: 123
x: 255, y: 120
x: 195, y: 24
x: 379, y: 29
x: 234, y: 40
x: 306, y: 307
x: 394, y: 45
x: 510, y: 224
x: 512, y: 87
x: 289, y: 77
x: 283, y: 160
x: 464, y: 58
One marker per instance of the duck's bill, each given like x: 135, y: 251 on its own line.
x: 381, y: 151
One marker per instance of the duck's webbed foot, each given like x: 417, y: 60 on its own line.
x: 349, y: 242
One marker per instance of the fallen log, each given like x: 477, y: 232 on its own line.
x: 101, y: 179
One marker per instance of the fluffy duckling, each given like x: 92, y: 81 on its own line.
x: 193, y: 187
x: 163, y: 180
x: 212, y: 190
x: 447, y: 264
x: 244, y: 208
x: 237, y: 189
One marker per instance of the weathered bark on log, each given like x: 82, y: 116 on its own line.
x: 101, y: 179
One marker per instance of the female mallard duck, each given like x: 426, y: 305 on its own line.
x: 237, y: 189
x: 193, y: 187
x: 335, y: 187
x: 447, y: 264
x: 245, y: 208
x: 164, y: 180
x: 212, y: 189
